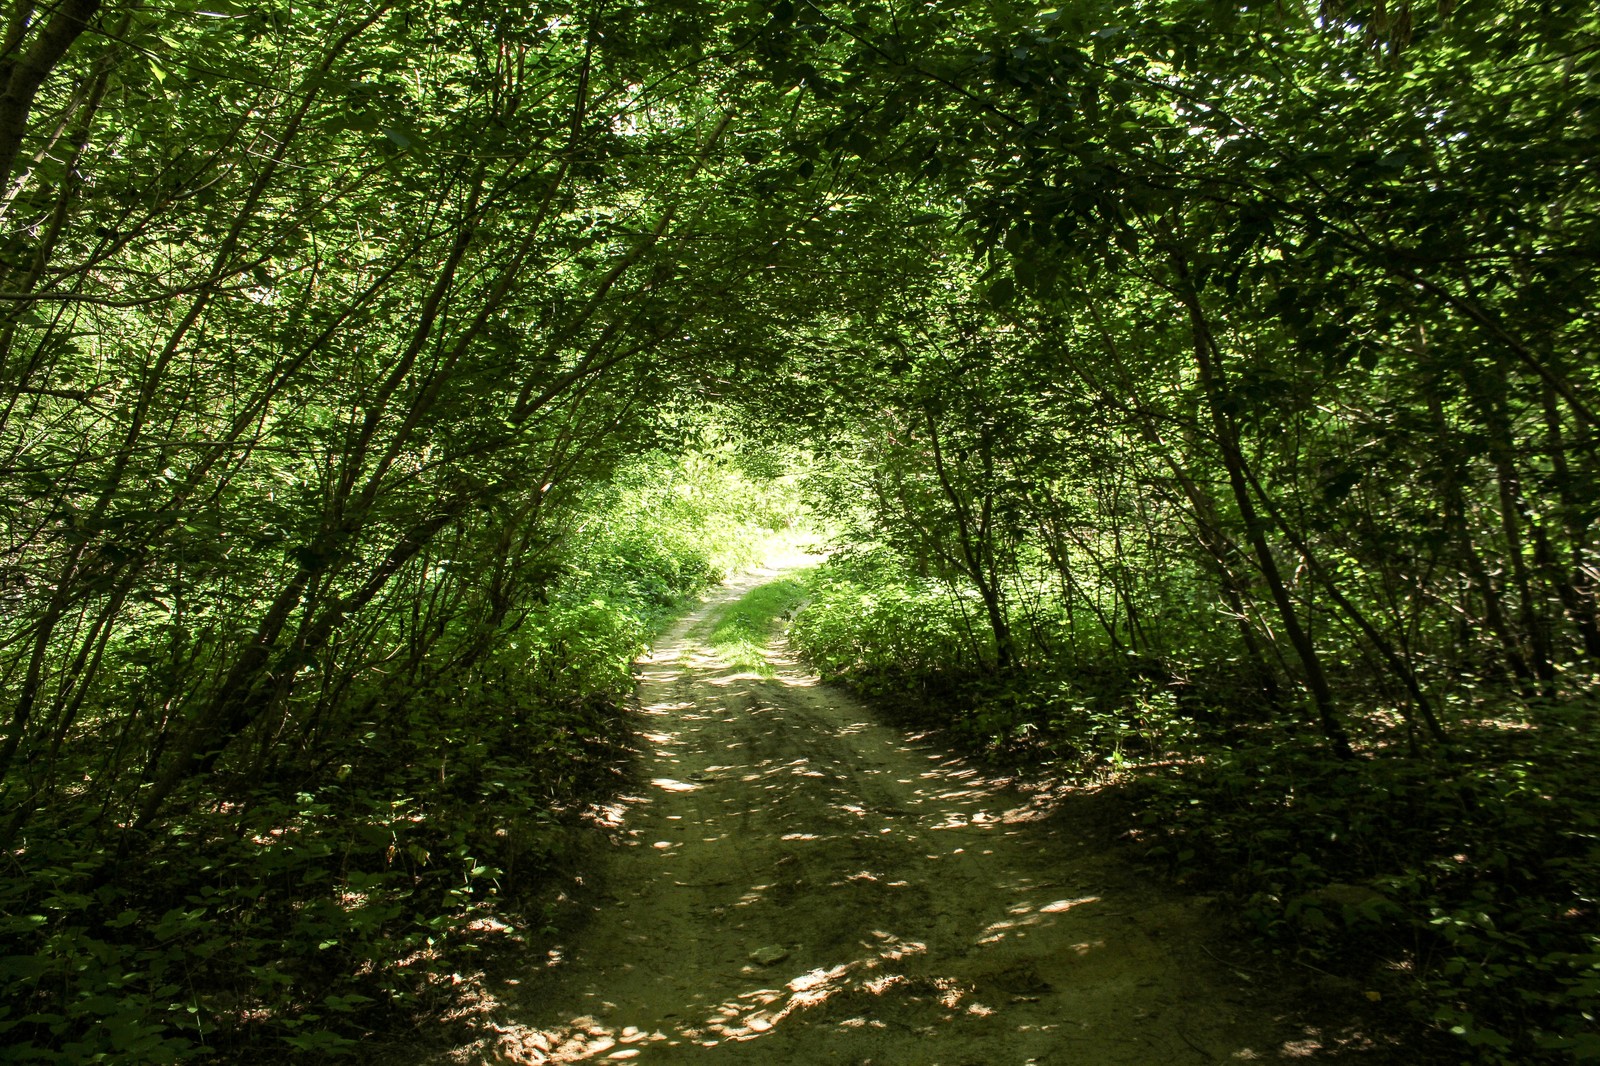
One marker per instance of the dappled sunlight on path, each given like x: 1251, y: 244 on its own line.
x: 793, y: 882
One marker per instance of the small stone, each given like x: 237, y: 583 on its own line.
x: 769, y: 955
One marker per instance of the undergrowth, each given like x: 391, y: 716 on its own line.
x: 409, y: 816
x: 1453, y: 893
x: 1462, y: 888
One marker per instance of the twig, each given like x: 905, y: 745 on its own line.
x: 1232, y: 965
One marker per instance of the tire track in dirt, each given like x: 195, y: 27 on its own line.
x: 793, y: 882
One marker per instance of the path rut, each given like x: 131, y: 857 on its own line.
x: 791, y: 881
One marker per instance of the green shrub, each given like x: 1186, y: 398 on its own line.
x: 873, y: 633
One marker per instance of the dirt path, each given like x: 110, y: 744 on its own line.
x: 794, y: 883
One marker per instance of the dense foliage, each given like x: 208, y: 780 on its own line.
x: 1243, y: 422
x: 345, y: 885
x: 1194, y: 383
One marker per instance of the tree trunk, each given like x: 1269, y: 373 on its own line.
x: 1214, y: 384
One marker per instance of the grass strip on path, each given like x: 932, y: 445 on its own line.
x: 740, y: 631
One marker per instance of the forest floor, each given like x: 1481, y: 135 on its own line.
x: 791, y: 881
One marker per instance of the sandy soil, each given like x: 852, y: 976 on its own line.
x: 792, y: 882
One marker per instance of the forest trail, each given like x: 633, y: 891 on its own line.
x: 792, y: 882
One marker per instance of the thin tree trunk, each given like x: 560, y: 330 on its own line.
x: 1214, y: 384
x: 23, y: 72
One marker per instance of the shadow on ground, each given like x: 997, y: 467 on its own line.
x: 793, y: 882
